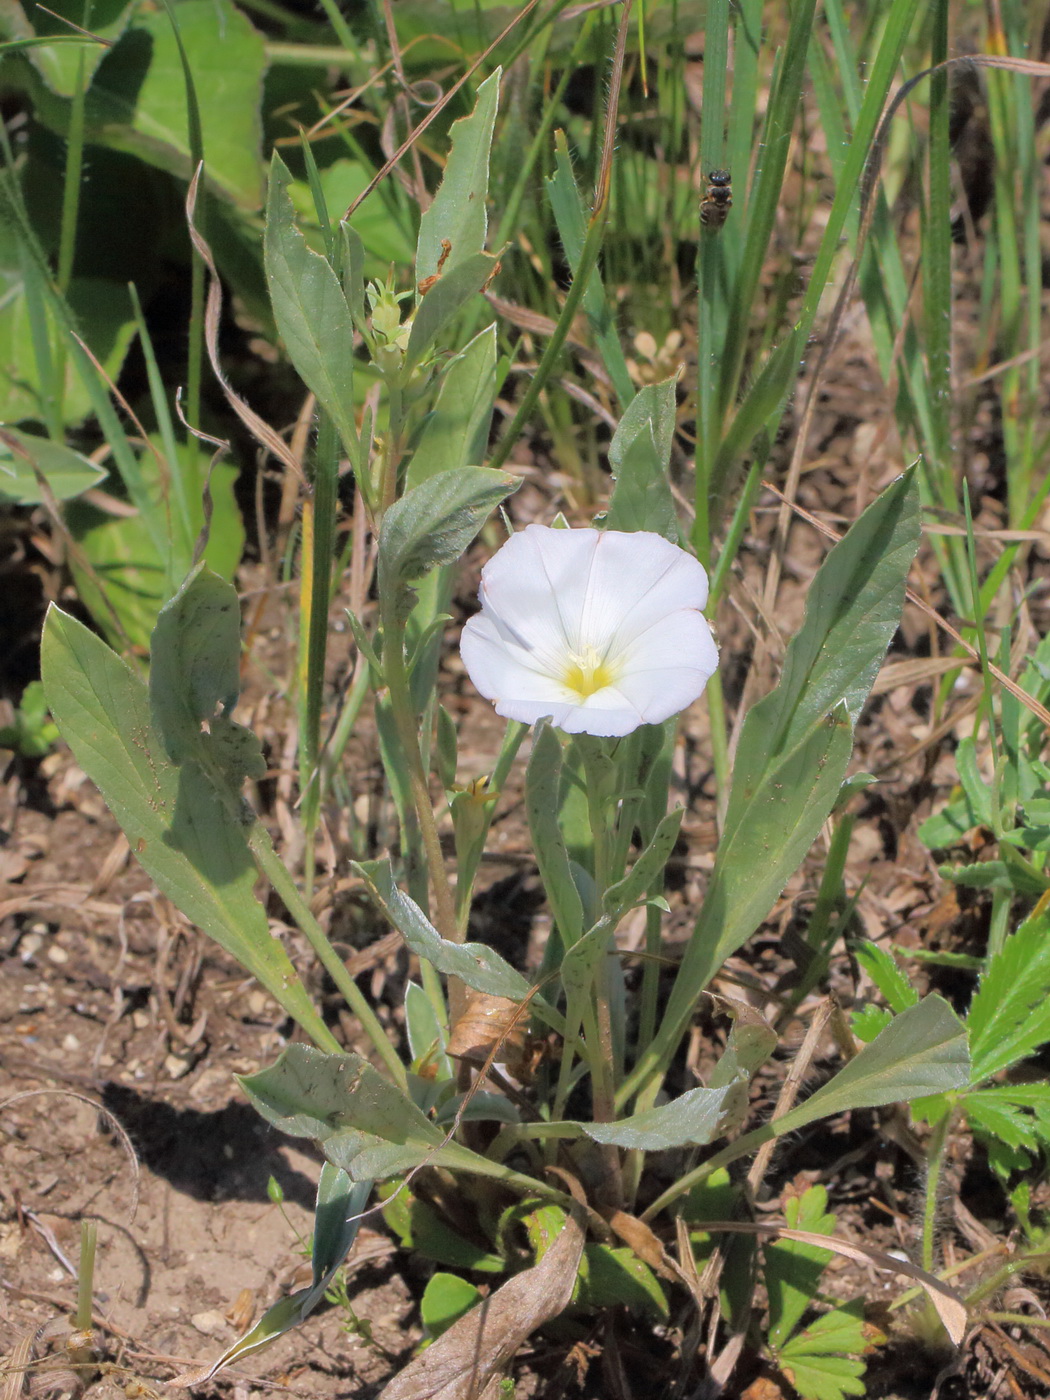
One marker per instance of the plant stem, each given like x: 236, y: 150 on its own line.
x: 275, y: 871
x: 935, y: 1162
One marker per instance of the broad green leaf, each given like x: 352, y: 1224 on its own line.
x: 458, y: 214
x: 195, y: 661
x: 640, y: 455
x: 445, y: 1299
x: 339, y: 1203
x: 122, y: 553
x: 311, y: 311
x: 695, y: 1118
x: 542, y: 791
x: 420, y: 1229
x: 434, y: 522
x: 137, y: 102
x: 922, y: 1051
x: 613, y: 1276
x: 176, y: 824
x: 1009, y: 1017
x: 66, y: 472
x: 62, y: 65
x: 793, y: 1267
x: 448, y: 295
x: 103, y: 311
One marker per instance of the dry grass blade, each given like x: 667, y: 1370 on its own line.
x: 949, y: 1305
x: 257, y: 426
x: 467, y: 1361
x: 414, y: 135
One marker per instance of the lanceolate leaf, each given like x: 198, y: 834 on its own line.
x: 336, y: 1222
x: 311, y: 311
x: 458, y: 214
x: 175, y: 822
x: 475, y: 964
x: 640, y: 455
x: 65, y: 472
x: 434, y: 522
x: 922, y: 1051
x: 796, y: 742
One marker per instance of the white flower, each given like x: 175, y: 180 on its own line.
x: 599, y: 630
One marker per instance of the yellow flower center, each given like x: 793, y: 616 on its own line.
x: 587, y: 673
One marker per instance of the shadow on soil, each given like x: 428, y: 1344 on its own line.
x: 229, y: 1154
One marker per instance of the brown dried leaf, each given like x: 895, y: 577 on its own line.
x: 466, y: 1362
x: 488, y: 1023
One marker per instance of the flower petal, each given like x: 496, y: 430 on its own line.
x: 636, y: 579
x: 536, y: 585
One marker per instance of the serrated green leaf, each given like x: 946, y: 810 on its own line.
x: 792, y: 1267
x: 882, y: 968
x: 1009, y: 1017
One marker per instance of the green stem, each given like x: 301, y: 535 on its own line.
x: 935, y: 1162
x: 274, y: 869
x: 86, y: 1274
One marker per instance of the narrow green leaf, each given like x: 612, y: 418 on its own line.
x: 475, y: 964
x: 922, y: 1051
x: 695, y: 1118
x: 458, y: 214
x: 311, y: 311
x: 448, y: 296
x: 456, y: 432
x: 542, y: 798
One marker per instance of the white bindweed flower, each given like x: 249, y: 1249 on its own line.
x: 598, y: 630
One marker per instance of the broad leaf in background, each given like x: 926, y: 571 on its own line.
x: 458, y: 214
x: 24, y: 457
x: 175, y: 824
x: 339, y: 1204
x: 639, y: 455
x: 311, y: 311
x: 122, y: 552
x: 796, y: 742
x: 63, y: 65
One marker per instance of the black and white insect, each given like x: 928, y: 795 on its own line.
x: 717, y: 200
